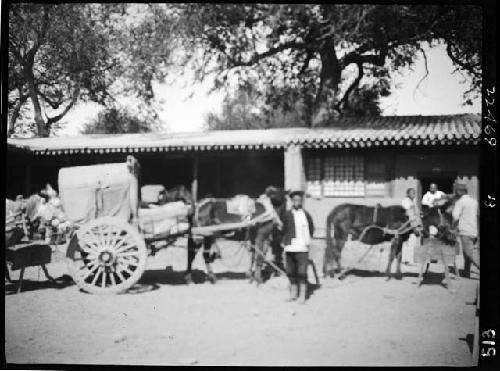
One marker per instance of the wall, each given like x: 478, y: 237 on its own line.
x: 406, y: 166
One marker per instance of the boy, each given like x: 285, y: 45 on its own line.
x: 298, y: 229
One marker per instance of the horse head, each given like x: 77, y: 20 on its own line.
x: 440, y: 217
x: 277, y: 196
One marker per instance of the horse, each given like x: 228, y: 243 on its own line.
x: 212, y: 211
x: 390, y: 224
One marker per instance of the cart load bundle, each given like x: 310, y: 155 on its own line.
x: 150, y: 193
x: 241, y: 205
x: 88, y: 192
x: 170, y: 219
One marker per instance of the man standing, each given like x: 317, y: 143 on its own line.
x: 432, y: 195
x: 465, y: 214
x: 298, y: 229
x: 409, y: 203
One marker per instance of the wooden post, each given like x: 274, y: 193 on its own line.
x: 194, y: 184
x: 295, y: 178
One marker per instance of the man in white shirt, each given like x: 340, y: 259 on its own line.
x: 298, y: 230
x: 465, y: 214
x: 432, y: 195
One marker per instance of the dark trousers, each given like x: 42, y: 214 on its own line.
x: 296, y: 267
x: 468, y: 243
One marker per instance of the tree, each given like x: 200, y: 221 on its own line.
x: 302, y: 52
x: 117, y: 121
x: 62, y: 54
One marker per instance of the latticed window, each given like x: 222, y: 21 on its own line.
x: 314, y: 176
x: 343, y: 176
x: 336, y: 176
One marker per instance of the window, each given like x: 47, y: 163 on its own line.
x: 314, y: 177
x: 342, y: 176
x: 376, y: 178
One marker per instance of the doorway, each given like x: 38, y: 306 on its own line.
x: 444, y: 181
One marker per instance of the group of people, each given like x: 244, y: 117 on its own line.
x: 297, y: 229
x: 465, y: 217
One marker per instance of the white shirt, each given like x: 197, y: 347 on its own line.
x: 429, y: 198
x: 411, y: 208
x: 302, y: 237
x: 465, y: 211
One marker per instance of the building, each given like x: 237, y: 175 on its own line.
x: 358, y: 160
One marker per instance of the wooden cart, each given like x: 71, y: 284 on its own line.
x: 108, y: 250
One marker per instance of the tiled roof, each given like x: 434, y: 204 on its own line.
x: 347, y: 133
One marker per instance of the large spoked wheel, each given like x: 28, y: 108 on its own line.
x: 106, y: 256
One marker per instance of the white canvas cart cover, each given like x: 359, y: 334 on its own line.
x: 93, y: 191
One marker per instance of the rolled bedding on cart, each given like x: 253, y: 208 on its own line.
x: 170, y: 218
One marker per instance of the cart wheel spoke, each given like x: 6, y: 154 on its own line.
x: 94, y: 280
x: 107, y: 256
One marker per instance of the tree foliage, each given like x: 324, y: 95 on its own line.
x: 302, y: 52
x: 67, y: 53
x: 328, y: 59
x: 117, y: 121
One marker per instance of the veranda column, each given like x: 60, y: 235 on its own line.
x: 295, y: 177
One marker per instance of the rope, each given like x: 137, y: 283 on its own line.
x: 399, y: 231
x: 278, y: 269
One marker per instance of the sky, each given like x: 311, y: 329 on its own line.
x: 440, y: 93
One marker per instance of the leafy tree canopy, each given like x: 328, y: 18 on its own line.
x: 63, y: 54
x: 305, y: 52
x: 328, y: 59
x: 117, y: 121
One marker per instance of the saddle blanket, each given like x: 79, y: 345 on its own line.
x: 241, y: 205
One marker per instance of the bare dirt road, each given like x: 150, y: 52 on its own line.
x: 362, y: 320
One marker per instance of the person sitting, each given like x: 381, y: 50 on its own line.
x: 412, y: 210
x: 432, y: 196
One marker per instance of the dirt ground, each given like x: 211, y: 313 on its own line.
x: 362, y: 320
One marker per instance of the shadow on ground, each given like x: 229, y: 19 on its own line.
x: 469, y: 340
x: 34, y: 285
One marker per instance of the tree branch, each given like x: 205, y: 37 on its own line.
x: 259, y: 56
x: 426, y: 72
x: 51, y: 120
x: 345, y: 99
x: 468, y: 67
x: 53, y: 104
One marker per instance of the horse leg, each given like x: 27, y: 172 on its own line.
x: 337, y: 250
x: 392, y: 255
x: 207, y: 244
x: 192, y: 249
x: 332, y: 257
x: 261, y: 247
x: 399, y: 258
x: 250, y: 271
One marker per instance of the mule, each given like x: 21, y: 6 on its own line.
x: 348, y: 219
x: 213, y: 212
